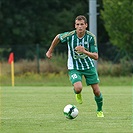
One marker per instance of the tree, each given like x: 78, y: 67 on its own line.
x: 118, y: 19
x: 32, y: 22
x: 25, y: 23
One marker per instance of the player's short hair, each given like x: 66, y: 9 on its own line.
x: 81, y: 17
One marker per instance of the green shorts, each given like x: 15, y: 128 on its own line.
x: 90, y: 75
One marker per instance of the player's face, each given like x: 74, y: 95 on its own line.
x: 80, y: 26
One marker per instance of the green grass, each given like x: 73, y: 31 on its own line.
x: 40, y: 110
x: 52, y: 79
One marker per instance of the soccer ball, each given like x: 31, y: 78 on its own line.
x: 71, y: 111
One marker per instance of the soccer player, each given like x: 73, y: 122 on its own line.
x: 82, y: 51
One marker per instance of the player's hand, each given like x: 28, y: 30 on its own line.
x: 49, y: 54
x: 80, y: 49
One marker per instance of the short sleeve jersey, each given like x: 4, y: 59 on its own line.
x: 76, y: 60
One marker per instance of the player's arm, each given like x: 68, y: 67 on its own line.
x: 91, y: 55
x: 81, y: 49
x: 55, y: 41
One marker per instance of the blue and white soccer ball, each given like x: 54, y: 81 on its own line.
x: 70, y: 111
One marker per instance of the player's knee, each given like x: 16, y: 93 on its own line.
x: 97, y: 92
x: 78, y: 87
x: 78, y: 90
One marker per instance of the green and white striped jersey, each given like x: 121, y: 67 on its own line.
x: 77, y: 60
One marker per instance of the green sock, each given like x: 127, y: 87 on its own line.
x: 99, y: 102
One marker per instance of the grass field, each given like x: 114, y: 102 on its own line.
x: 40, y: 110
x: 52, y: 79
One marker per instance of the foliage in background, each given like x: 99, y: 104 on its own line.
x: 58, y: 64
x: 118, y: 18
x: 31, y: 22
x: 54, y: 72
x: 24, y: 24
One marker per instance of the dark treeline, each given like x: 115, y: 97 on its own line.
x: 26, y: 23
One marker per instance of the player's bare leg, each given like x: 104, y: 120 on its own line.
x: 77, y: 90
